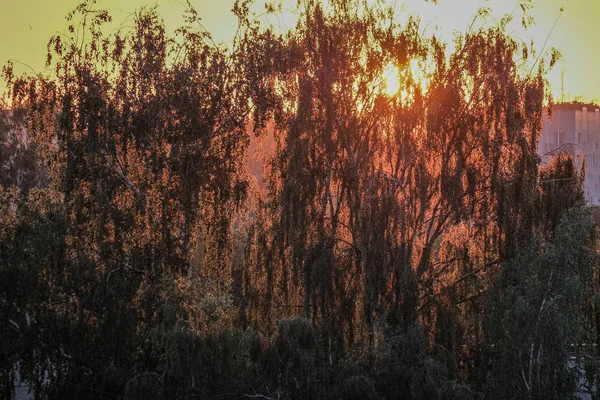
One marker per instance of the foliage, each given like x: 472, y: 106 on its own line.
x: 561, y: 187
x: 535, y: 315
x: 399, y: 245
x: 20, y: 164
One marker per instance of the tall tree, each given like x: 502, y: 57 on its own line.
x: 365, y: 186
x: 145, y: 136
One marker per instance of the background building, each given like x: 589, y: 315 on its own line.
x: 575, y: 128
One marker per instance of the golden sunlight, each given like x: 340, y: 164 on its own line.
x: 391, y: 79
x: 394, y: 80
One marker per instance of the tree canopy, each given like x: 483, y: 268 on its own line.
x: 398, y: 244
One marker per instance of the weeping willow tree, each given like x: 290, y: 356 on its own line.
x: 383, y: 210
x: 144, y: 136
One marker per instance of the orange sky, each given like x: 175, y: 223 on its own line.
x: 26, y: 25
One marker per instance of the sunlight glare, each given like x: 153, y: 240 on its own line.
x: 391, y: 79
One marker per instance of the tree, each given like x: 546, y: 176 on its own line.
x: 144, y: 135
x: 536, y: 313
x: 401, y: 244
x: 561, y: 187
x: 365, y: 186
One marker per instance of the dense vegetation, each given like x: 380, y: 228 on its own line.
x: 402, y: 245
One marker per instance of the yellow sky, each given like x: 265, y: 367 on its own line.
x: 26, y: 25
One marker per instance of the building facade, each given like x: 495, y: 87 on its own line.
x: 575, y: 128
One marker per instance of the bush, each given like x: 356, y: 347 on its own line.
x: 359, y: 388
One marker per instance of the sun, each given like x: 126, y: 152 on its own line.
x: 391, y: 79
x: 402, y: 82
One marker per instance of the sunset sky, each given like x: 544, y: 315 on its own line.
x: 26, y: 25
